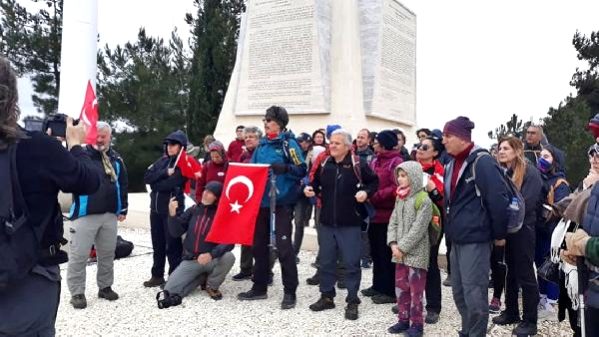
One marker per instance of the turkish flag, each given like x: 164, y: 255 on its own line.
x: 239, y: 204
x: 189, y: 167
x: 89, y: 114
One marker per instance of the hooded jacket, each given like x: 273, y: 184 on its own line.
x: 163, y: 186
x: 212, y: 172
x: 384, y: 199
x: 282, y: 150
x: 408, y: 227
x: 197, y: 222
x: 473, y: 219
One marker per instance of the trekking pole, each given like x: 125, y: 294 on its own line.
x: 581, y: 286
x: 273, y: 205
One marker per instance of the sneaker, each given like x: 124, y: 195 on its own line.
x: 383, y: 299
x: 154, y: 282
x: 214, y: 294
x: 323, y: 303
x: 525, y: 329
x: 242, y: 276
x: 79, y: 301
x: 108, y: 293
x: 395, y: 309
x: 251, y: 295
x: 369, y: 292
x: 447, y: 281
x: 547, y: 313
x: 314, y: 280
x: 351, y: 311
x: 399, y: 327
x: 431, y: 317
x: 366, y: 264
x: 495, y: 306
x: 505, y: 319
x: 415, y: 331
x: 288, y: 302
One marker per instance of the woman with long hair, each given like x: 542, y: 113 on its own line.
x: 519, y: 253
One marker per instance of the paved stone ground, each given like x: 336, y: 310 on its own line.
x: 136, y: 314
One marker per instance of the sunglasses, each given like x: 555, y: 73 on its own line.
x: 267, y: 120
x: 423, y: 147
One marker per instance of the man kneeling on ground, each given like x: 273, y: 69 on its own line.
x: 204, y: 263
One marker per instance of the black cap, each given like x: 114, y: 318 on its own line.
x: 304, y: 137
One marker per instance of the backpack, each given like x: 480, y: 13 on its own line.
x: 435, y: 226
x: 516, y: 209
x: 19, y: 243
x: 549, y: 213
x: 123, y: 249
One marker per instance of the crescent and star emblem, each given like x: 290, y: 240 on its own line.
x: 236, y: 206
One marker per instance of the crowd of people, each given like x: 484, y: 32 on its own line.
x: 396, y: 205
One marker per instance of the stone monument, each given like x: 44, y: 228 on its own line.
x: 347, y: 62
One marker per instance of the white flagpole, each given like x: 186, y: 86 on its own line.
x: 78, y: 57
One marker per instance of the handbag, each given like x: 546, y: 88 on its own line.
x: 549, y: 271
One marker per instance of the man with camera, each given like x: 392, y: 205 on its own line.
x: 31, y: 232
x: 94, y: 221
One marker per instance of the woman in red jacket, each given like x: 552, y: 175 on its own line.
x: 213, y: 170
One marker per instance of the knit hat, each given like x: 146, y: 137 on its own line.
x: 216, y: 187
x: 460, y: 127
x: 331, y: 128
x: 594, y: 126
x: 277, y: 114
x: 387, y: 139
x: 304, y: 137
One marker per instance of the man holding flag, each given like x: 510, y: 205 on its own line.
x: 281, y: 151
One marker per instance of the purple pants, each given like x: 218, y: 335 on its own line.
x: 409, y: 287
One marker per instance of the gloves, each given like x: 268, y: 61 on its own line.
x: 571, y: 283
x: 279, y: 168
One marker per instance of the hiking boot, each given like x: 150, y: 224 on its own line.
x: 495, y: 306
x: 314, y: 280
x: 395, y: 309
x: 399, y: 327
x: 79, y: 301
x: 369, y: 292
x: 525, y: 329
x: 505, y: 319
x: 351, y: 311
x: 108, y: 293
x: 366, y: 264
x: 165, y: 300
x: 323, y: 303
x: 447, y: 281
x: 288, y: 302
x: 242, y: 276
x: 214, y: 294
x: 154, y: 282
x: 431, y: 317
x: 383, y: 299
x: 252, y: 295
x: 415, y: 331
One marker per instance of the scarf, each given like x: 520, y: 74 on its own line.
x: 271, y: 135
x: 403, y: 192
x: 108, y: 168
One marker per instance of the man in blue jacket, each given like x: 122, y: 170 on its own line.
x: 94, y: 221
x: 472, y: 223
x: 281, y: 151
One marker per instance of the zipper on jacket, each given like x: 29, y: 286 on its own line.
x: 335, y: 196
x: 198, y: 233
x: 156, y: 201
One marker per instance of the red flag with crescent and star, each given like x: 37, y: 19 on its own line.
x: 89, y: 114
x: 189, y: 167
x: 239, y: 204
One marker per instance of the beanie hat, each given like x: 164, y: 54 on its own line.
x: 216, y: 187
x: 331, y: 128
x: 594, y: 126
x: 304, y: 137
x: 460, y: 127
x: 387, y: 139
x: 277, y: 114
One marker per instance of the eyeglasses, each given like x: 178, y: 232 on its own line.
x: 423, y: 147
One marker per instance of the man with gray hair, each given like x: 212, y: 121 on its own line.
x: 94, y: 221
x: 344, y: 183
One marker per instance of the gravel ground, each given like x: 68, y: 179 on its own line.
x: 136, y: 314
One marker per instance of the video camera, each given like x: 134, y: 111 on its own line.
x: 58, y: 124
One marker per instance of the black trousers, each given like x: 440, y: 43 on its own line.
x: 433, y: 282
x: 164, y: 245
x: 301, y: 217
x: 284, y: 249
x: 498, y: 270
x: 383, y: 270
x: 247, y: 260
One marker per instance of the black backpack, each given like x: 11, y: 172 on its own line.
x: 19, y: 242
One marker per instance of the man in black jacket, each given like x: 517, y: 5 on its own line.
x: 94, y: 221
x: 204, y: 263
x: 166, y: 181
x: 44, y: 167
x: 343, y: 193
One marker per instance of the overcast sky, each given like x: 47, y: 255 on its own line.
x: 482, y: 59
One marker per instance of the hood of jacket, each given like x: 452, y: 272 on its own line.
x: 414, y: 171
x: 177, y: 136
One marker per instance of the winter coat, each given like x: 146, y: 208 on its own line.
x: 197, y: 222
x: 384, y: 199
x: 235, y: 150
x: 590, y: 224
x: 435, y: 172
x: 532, y: 192
x: 337, y: 185
x: 468, y: 219
x: 210, y: 172
x: 111, y: 197
x: 366, y: 155
x: 282, y: 150
x: 408, y: 227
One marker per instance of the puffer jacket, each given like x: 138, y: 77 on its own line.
x: 384, y: 199
x: 408, y: 227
